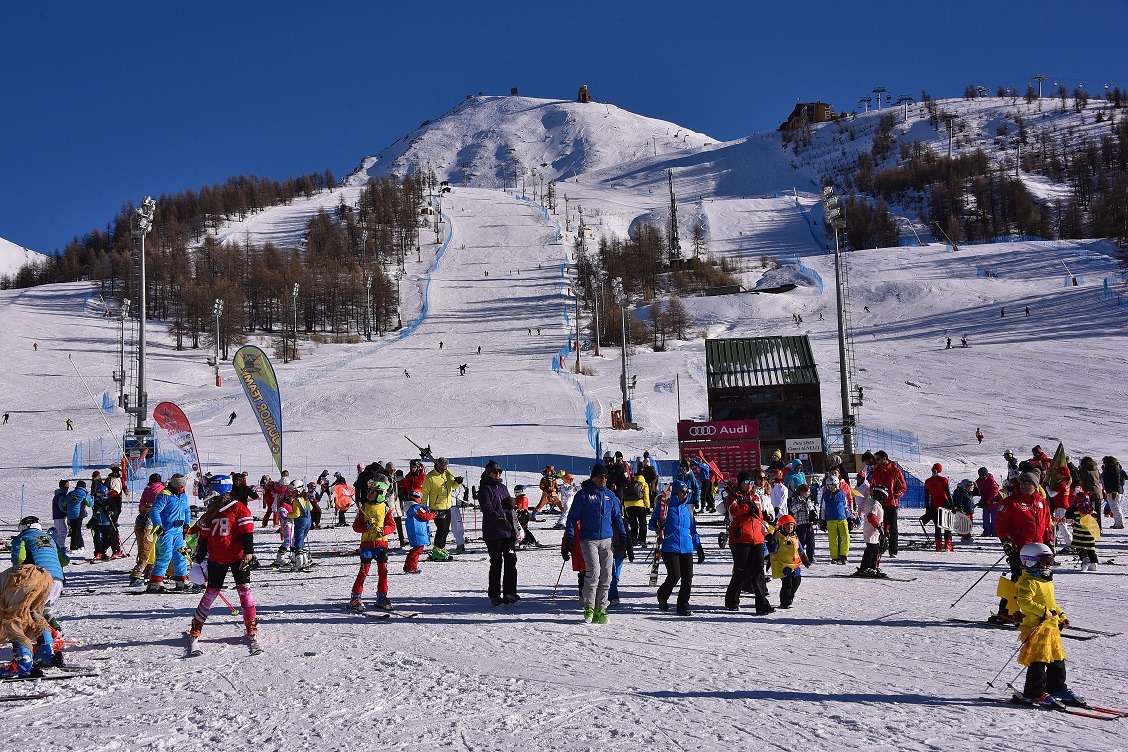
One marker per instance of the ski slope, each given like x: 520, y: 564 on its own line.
x: 854, y: 665
x: 13, y: 256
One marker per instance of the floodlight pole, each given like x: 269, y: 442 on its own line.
x: 833, y: 219
x: 145, y: 214
x: 621, y: 298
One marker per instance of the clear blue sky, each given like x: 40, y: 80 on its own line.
x: 104, y: 102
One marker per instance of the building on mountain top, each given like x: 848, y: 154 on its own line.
x: 584, y: 97
x: 806, y: 113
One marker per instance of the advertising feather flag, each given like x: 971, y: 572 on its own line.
x: 260, y: 384
x: 170, y: 417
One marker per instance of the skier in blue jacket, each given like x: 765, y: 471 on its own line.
x: 170, y: 515
x: 77, y: 502
x: 34, y: 546
x: 600, y: 516
x: 689, y: 479
x: 679, y: 542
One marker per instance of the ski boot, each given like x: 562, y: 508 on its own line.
x: 252, y: 638
x: 282, y: 559
x: 495, y: 601
x: 307, y: 560
x: 17, y: 669
x: 119, y: 554
x: 383, y: 602
x: 357, y: 605
x: 589, y: 614
x: 599, y: 616
x: 136, y: 582
x: 155, y: 586
x: 461, y: 549
x: 184, y: 586
x: 1068, y: 697
x: 439, y: 554
x: 681, y: 612
x: 949, y: 547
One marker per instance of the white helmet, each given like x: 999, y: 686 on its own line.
x: 1037, y: 556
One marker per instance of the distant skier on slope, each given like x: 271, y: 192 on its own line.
x: 462, y: 369
x: 231, y: 418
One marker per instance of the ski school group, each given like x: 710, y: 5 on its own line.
x: 1045, y: 507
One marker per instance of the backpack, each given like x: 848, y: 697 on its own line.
x: 633, y: 491
x: 546, y: 484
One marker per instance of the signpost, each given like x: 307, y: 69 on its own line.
x: 803, y: 446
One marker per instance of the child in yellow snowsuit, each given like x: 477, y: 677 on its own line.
x: 375, y: 524
x: 1040, y: 633
x: 787, y: 559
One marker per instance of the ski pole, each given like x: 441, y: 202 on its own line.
x: 979, y: 580
x: 1021, y: 645
x: 234, y: 611
x: 557, y: 585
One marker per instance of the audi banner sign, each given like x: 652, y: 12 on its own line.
x: 734, y: 445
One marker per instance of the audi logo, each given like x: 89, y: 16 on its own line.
x: 703, y: 431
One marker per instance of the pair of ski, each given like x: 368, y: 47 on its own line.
x: 192, y: 646
x: 383, y: 613
x: 1081, y: 632
x: 879, y: 579
x: 1086, y: 710
x: 664, y: 502
x: 69, y: 672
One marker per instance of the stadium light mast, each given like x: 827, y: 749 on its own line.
x: 1039, y: 77
x: 295, y: 294
x: 144, y: 215
x: 832, y: 215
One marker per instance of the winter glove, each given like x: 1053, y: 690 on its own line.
x: 872, y: 519
x: 700, y: 554
x: 458, y: 479
x: 566, y: 548
x: 822, y: 525
x: 158, y: 531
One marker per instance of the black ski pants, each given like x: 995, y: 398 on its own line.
x: 747, y: 573
x: 871, y: 556
x: 679, y: 568
x: 1044, y: 677
x: 523, y: 518
x: 636, y: 525
x: 442, y: 528
x: 790, y: 584
x: 891, y: 527
x: 503, y: 568
x: 806, y: 533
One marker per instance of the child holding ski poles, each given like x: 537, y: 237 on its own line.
x: 1040, y: 633
x: 375, y: 523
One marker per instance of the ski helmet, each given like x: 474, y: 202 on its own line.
x: 879, y: 493
x: 937, y: 469
x: 786, y: 519
x: 1038, y: 558
x: 28, y: 521
x: 830, y: 480
x: 221, y: 484
x: 679, y: 487
x: 518, y: 490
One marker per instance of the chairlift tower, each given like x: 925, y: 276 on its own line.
x: 675, y: 240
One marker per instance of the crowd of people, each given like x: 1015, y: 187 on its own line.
x: 770, y: 517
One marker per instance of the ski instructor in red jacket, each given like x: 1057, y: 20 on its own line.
x: 1025, y: 518
x: 888, y: 474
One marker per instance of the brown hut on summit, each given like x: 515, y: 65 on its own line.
x: 806, y: 113
x: 584, y: 97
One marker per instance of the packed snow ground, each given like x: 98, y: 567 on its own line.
x: 853, y: 665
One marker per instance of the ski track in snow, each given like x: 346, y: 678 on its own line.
x: 853, y: 665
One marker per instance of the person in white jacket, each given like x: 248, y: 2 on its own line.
x: 568, y: 488
x: 779, y: 498
x: 872, y: 514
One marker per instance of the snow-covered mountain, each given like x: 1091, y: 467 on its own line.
x: 13, y: 256
x: 476, y: 142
